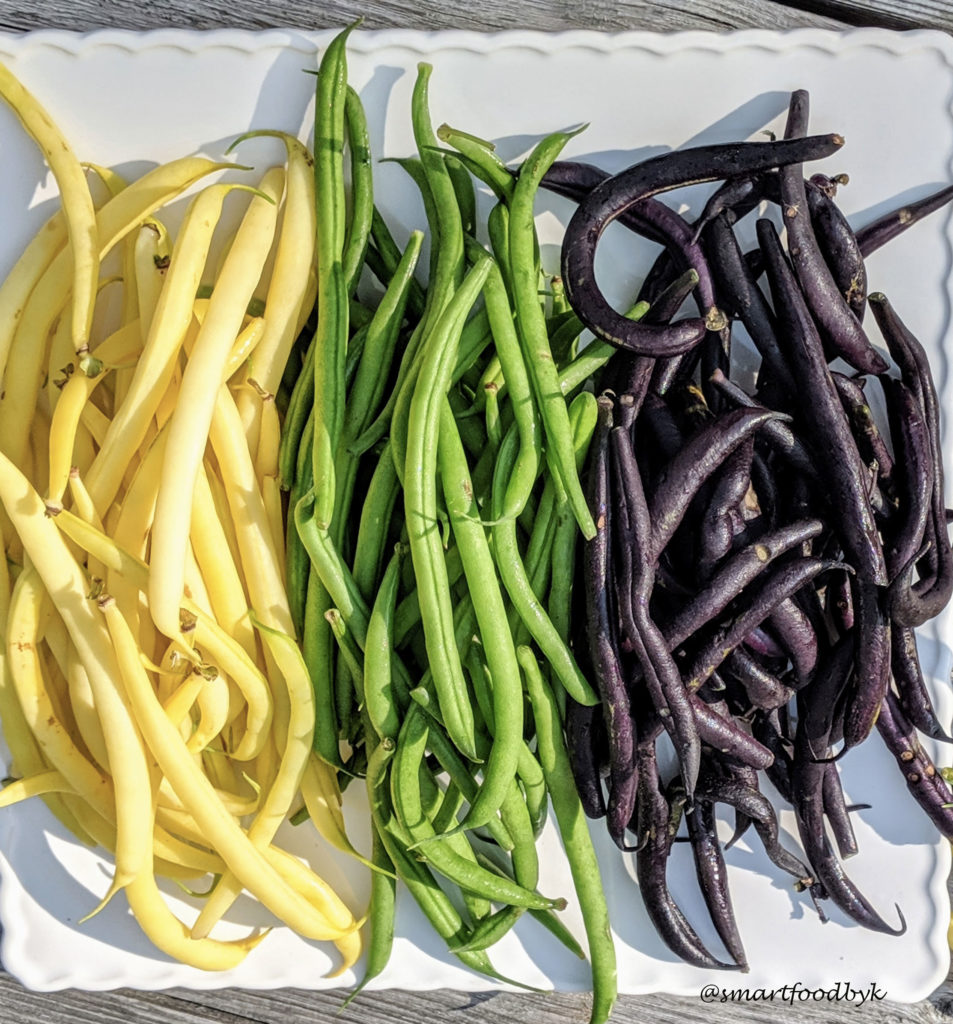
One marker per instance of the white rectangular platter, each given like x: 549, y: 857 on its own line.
x: 130, y: 101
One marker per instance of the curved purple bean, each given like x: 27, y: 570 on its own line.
x: 655, y: 844
x: 927, y: 785
x: 778, y: 585
x: 634, y: 591
x: 912, y: 693
x: 582, y: 739
x: 650, y: 218
x: 913, y: 604
x: 835, y: 318
x: 914, y: 474
x: 835, y: 807
x: 693, y: 465
x: 762, y: 688
x: 826, y: 422
x: 872, y: 236
x: 712, y: 876
x: 614, y: 196
x: 603, y: 647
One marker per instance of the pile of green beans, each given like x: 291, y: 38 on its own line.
x: 431, y: 446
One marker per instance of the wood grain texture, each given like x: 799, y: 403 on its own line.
x: 231, y: 1006
x: 895, y: 14
x: 667, y: 16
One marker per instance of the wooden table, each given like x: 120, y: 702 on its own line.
x: 232, y: 1006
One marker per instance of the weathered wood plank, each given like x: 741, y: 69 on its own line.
x: 82, y: 15
x: 896, y: 14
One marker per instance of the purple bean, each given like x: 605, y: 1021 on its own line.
x: 914, y: 472
x: 835, y: 807
x: 634, y: 590
x: 712, y: 876
x: 650, y: 218
x: 872, y: 236
x: 913, y: 604
x: 776, y: 586
x: 825, y: 420
x: 797, y: 637
x: 582, y: 737
x: 719, y: 730
x: 839, y: 247
x: 927, y: 785
x: 617, y: 194
x: 743, y: 299
x: 762, y: 688
x: 694, y: 464
x: 836, y: 321
x: 603, y: 644
x: 655, y: 844
x: 912, y: 693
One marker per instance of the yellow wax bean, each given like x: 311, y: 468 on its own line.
x: 22, y: 371
x: 198, y: 795
x: 217, y: 646
x: 191, y: 420
x: 294, y: 260
x: 280, y: 796
x: 78, y: 210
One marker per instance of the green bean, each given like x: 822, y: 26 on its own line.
x: 389, y: 253
x: 380, y: 916
x: 420, y: 502
x: 432, y: 798
x: 533, y: 782
x: 382, y: 332
x: 432, y: 900
x: 331, y: 334
x: 560, y: 304
x: 372, y: 532
x: 516, y: 377
x: 380, y: 700
x: 494, y: 431
x: 331, y: 568
x: 577, y: 841
x: 355, y: 349
x: 439, y: 850
x: 449, y: 808
x: 498, y: 229
x: 550, y: 921
x: 490, y: 930
x: 451, y: 762
x: 318, y: 651
x: 584, y: 412
x: 472, y: 432
x: 300, y: 409
x: 473, y: 342
x: 349, y: 682
x: 463, y: 190
x: 447, y: 256
x: 532, y: 324
x: 512, y: 571
x: 407, y: 615
x: 362, y: 190
x: 481, y: 159
x: 490, y: 611
x: 297, y: 563
x: 541, y: 539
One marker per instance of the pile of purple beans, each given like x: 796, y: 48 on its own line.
x: 762, y: 559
